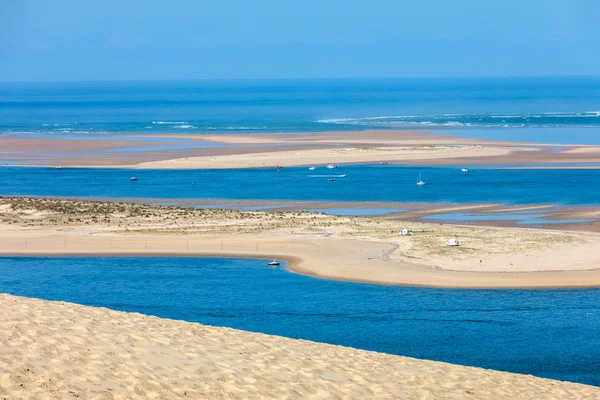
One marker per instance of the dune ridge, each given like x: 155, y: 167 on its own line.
x: 58, y: 350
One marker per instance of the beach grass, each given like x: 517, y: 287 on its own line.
x: 427, y: 242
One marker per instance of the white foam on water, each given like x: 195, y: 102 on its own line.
x: 185, y: 126
x: 168, y: 122
x: 454, y: 123
x: 464, y: 120
x: 244, y: 128
x: 365, y: 120
x: 392, y: 117
x: 336, y: 120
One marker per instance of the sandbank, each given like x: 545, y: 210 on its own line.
x: 343, y: 155
x: 345, y: 248
x: 268, y: 150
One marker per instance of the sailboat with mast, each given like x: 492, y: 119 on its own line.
x: 420, y: 182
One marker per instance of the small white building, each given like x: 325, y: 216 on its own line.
x: 452, y: 242
x: 404, y: 232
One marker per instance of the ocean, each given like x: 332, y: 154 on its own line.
x: 567, y: 109
x: 548, y: 333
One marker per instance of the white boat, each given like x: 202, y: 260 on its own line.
x: 464, y: 170
x: 273, y: 263
x: 419, y: 181
x: 452, y: 242
x: 312, y: 168
x: 332, y: 166
x: 133, y: 178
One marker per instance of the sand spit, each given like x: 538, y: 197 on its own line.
x: 345, y: 248
x: 325, y: 156
x: 260, y: 150
x: 57, y: 350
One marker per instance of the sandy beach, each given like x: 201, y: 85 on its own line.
x: 268, y: 150
x: 57, y: 350
x: 339, y: 155
x: 345, y: 248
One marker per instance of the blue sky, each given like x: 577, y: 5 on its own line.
x: 221, y: 39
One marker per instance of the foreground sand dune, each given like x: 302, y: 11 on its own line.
x: 56, y: 350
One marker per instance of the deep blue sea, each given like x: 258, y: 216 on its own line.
x: 84, y: 108
x: 363, y: 183
x: 548, y: 333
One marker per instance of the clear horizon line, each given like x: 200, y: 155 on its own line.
x: 302, y: 79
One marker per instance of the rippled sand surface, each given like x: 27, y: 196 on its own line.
x: 57, y: 350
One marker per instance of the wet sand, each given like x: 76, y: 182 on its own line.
x: 248, y: 151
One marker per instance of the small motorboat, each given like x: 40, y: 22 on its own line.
x: 312, y: 168
x: 343, y: 175
x: 332, y: 166
x: 133, y: 178
x: 464, y: 170
x: 273, y: 263
x: 331, y: 179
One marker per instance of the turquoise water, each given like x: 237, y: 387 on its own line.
x: 523, y: 218
x: 554, y: 135
x: 355, y: 211
x: 548, y: 333
x: 77, y: 108
x: 364, y: 183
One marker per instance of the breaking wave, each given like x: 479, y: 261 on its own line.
x: 184, y: 126
x: 546, y: 119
